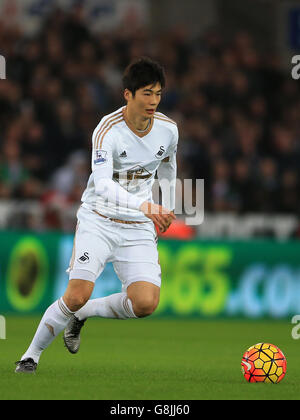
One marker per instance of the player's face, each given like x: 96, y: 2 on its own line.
x: 145, y: 101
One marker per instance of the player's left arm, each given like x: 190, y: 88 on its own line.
x: 167, y: 173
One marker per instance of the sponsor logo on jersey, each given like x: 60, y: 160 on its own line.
x: 133, y: 174
x: 100, y: 157
x: 123, y: 154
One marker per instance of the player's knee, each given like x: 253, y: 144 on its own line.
x: 145, y: 306
x: 77, y: 294
x: 75, y: 301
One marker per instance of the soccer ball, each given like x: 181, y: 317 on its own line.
x: 264, y: 362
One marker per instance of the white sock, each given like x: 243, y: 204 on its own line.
x: 117, y: 305
x: 55, y: 320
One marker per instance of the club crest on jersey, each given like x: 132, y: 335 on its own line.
x: 100, y: 157
x: 84, y: 258
x: 160, y: 152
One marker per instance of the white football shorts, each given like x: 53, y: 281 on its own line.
x: 132, y: 248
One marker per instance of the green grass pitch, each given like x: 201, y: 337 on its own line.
x: 148, y: 359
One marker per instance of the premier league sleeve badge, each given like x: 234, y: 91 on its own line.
x: 100, y: 157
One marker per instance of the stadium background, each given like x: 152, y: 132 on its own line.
x: 229, y: 87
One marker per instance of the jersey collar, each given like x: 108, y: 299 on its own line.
x: 130, y: 126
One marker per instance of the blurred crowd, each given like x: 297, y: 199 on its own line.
x: 238, y: 113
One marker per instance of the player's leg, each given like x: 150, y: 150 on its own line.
x: 117, y: 305
x: 138, y: 268
x: 85, y: 266
x: 57, y: 316
x: 136, y: 264
x: 139, y: 296
x: 144, y: 297
x: 78, y: 293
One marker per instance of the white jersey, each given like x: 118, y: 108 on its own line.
x: 131, y: 158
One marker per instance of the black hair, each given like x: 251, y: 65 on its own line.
x: 143, y: 72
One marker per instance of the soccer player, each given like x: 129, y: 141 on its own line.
x: 117, y: 218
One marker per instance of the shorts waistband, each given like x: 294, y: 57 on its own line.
x: 125, y: 222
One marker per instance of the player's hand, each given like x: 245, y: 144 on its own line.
x: 161, y: 216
